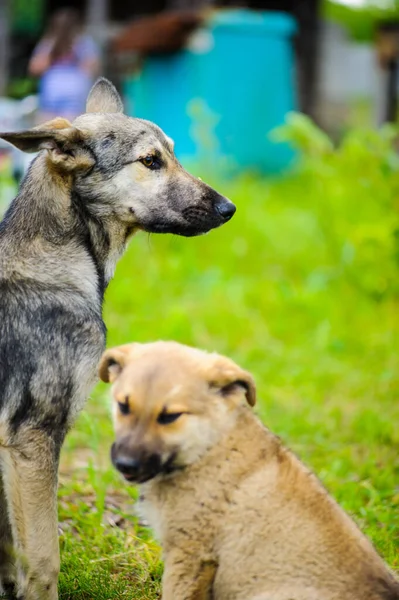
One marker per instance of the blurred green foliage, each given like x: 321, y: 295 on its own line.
x: 8, y: 186
x: 20, y: 88
x: 353, y: 190
x: 27, y: 16
x: 360, y: 22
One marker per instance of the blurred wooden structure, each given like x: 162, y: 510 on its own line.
x: 4, y: 44
x: 162, y: 33
x: 387, y: 41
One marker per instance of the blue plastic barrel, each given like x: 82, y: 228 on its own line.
x: 221, y: 96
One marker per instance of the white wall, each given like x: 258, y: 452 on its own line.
x: 348, y: 71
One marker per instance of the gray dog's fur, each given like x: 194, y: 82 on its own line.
x: 97, y: 181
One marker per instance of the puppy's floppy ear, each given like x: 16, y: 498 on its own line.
x: 113, y: 362
x: 64, y: 142
x: 230, y: 379
x: 103, y: 98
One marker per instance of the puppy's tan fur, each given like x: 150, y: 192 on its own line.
x: 238, y: 515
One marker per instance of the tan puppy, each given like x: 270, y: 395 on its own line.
x: 238, y: 515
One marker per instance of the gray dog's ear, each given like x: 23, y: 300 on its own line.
x: 63, y: 141
x: 113, y: 362
x: 103, y: 98
x: 232, y: 381
x: 46, y: 136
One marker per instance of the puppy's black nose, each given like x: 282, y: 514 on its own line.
x: 226, y: 209
x: 127, y: 465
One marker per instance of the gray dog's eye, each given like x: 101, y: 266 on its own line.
x: 148, y: 161
x: 151, y: 162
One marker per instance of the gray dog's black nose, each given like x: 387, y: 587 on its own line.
x: 226, y: 209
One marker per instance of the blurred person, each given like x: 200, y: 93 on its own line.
x: 67, y: 61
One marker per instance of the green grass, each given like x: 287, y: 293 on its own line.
x: 275, y: 290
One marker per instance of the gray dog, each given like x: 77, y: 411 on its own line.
x: 98, y: 181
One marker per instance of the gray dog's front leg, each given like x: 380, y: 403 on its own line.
x: 7, y: 567
x: 30, y: 484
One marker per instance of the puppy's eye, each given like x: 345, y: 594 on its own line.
x: 165, y: 418
x: 123, y: 408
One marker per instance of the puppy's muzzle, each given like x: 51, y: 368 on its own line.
x: 136, y: 467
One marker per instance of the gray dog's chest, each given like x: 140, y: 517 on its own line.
x: 50, y: 346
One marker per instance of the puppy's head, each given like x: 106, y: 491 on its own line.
x: 126, y: 169
x: 171, y: 404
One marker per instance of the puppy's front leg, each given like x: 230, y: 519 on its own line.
x: 187, y: 577
x: 30, y: 483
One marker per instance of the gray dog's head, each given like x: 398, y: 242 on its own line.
x: 126, y: 169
